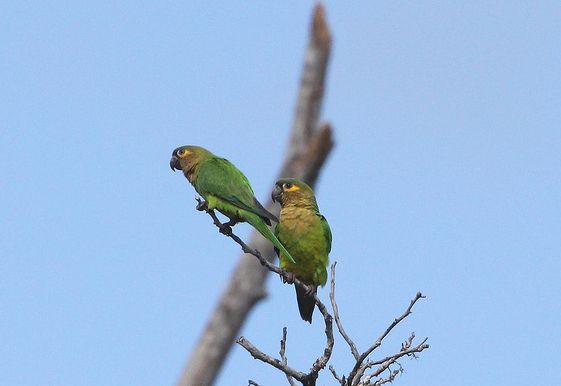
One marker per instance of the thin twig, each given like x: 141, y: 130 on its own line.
x: 390, y: 378
x: 410, y: 351
x: 282, y: 354
x: 358, y: 369
x: 247, y: 249
x: 336, y: 376
x: 406, y: 350
x: 258, y: 354
x: 342, y: 331
x: 393, y: 324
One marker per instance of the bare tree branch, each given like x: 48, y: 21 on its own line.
x: 356, y: 377
x: 358, y: 370
x: 310, y: 96
x: 282, y: 354
x: 336, y: 376
x: 405, y: 350
x: 387, y: 362
x: 342, y: 331
x: 258, y: 354
x: 308, y: 148
x: 388, y: 379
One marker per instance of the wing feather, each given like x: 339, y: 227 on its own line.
x: 220, y: 177
x: 326, y: 232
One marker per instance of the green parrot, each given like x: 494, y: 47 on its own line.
x: 224, y: 188
x: 306, y: 234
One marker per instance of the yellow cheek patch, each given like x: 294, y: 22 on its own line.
x: 184, y: 153
x: 293, y: 188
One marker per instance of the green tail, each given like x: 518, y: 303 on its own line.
x: 260, y: 225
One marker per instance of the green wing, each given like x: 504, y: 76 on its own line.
x: 326, y: 232
x: 221, y: 178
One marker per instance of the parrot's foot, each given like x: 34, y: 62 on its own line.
x: 231, y: 223
x: 225, y: 229
x: 287, y: 277
x: 202, y: 205
x: 311, y: 290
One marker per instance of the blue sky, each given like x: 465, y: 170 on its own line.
x: 445, y: 179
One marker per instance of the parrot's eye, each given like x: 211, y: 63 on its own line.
x: 181, y: 153
x: 290, y: 187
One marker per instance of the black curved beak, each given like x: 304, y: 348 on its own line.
x: 276, y: 195
x: 174, y: 163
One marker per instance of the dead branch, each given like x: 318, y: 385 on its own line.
x: 356, y: 374
x: 388, y: 379
x: 309, y: 146
x: 387, y: 362
x: 258, y: 354
x: 342, y: 331
x: 336, y: 376
x: 282, y: 354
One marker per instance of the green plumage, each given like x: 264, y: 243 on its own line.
x: 225, y: 188
x: 307, y: 236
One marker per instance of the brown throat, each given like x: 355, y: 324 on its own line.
x: 190, y: 173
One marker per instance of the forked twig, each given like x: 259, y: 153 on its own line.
x: 342, y: 331
x: 282, y: 354
x: 360, y: 367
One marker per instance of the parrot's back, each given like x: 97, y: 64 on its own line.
x: 221, y: 181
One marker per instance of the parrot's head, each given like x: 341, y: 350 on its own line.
x: 291, y: 191
x: 188, y: 158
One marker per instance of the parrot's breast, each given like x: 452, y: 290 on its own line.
x: 300, y: 230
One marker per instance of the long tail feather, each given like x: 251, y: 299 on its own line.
x: 306, y: 303
x: 260, y: 225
